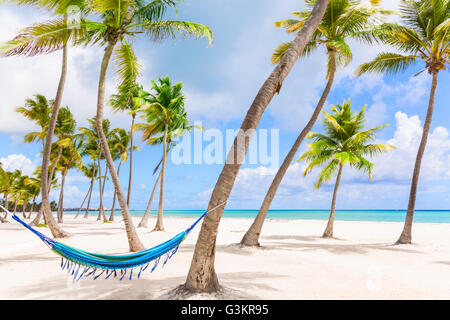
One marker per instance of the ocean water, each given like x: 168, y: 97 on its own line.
x: 433, y: 216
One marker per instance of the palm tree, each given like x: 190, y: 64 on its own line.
x: 344, y: 20
x: 202, y: 276
x: 132, y: 103
x: 89, y: 171
x: 34, y: 188
x: 38, y: 111
x: 42, y: 38
x: 93, y: 149
x: 164, y: 112
x: 121, y: 145
x: 71, y: 158
x: 343, y: 143
x: 122, y: 21
x: 177, y: 129
x: 424, y: 36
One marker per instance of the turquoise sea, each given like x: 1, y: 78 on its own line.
x: 434, y: 216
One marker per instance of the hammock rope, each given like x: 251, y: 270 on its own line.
x: 79, y: 263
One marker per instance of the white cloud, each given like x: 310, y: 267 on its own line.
x: 394, y: 169
x: 19, y: 162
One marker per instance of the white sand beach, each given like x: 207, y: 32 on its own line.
x: 293, y: 262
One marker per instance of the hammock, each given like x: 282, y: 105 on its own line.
x: 81, y: 263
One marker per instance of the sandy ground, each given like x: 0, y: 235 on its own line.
x: 293, y: 262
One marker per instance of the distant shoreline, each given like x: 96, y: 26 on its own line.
x: 421, y: 216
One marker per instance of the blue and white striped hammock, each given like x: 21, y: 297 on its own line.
x: 79, y: 263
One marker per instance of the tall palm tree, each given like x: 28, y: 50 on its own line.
x: 121, y: 21
x: 42, y: 38
x: 202, y: 276
x: 164, y: 111
x: 423, y: 36
x: 132, y: 103
x: 343, y: 20
x: 344, y: 142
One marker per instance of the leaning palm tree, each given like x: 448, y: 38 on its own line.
x: 344, y: 20
x: 202, y: 276
x: 164, y: 112
x: 131, y: 102
x: 423, y: 36
x: 343, y: 143
x: 89, y: 171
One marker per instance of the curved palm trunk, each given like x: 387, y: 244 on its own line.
x: 251, y: 237
x: 56, y: 230
x: 86, y: 215
x: 131, y: 159
x: 134, y: 242
x: 84, y: 200
x: 159, y: 220
x: 61, y: 198
x: 144, y: 221
x: 406, y: 235
x: 15, y: 206
x: 113, y: 208
x: 100, y: 190
x: 23, y: 210
x: 328, y: 233
x: 202, y: 276
x: 102, y: 212
x: 32, y: 208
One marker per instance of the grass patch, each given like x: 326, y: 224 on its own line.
x: 41, y: 225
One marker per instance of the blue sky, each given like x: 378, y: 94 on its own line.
x: 220, y: 82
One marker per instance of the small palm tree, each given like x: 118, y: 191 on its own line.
x: 343, y: 21
x: 423, y: 36
x: 343, y: 143
x: 90, y: 171
x: 164, y: 113
x: 132, y: 103
x: 94, y: 150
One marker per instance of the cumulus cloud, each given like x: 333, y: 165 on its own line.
x: 393, y: 169
x: 19, y: 162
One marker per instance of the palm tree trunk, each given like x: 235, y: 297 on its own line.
x: 84, y: 200
x: 144, y: 221
x: 100, y: 189
x: 202, y: 276
x: 134, y: 242
x: 103, y: 192
x: 61, y: 197
x: 406, y: 235
x: 251, y: 237
x: 32, y: 207
x: 328, y: 233
x: 159, y: 220
x: 53, y: 168
x: 86, y: 215
x: 131, y: 159
x: 56, y: 230
x: 113, y: 208
x: 15, y: 206
x: 23, y: 210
